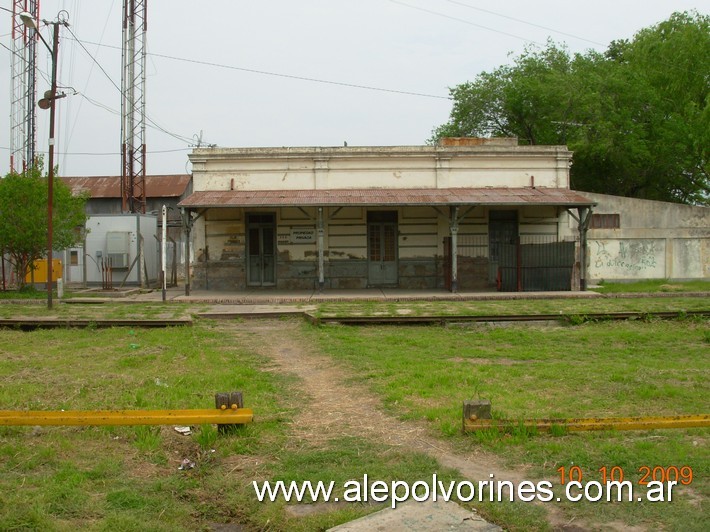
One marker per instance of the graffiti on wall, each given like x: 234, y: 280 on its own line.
x: 627, y: 258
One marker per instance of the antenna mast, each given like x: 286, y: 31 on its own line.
x: 23, y: 88
x: 133, y: 106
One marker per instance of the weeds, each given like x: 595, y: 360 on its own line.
x: 147, y: 438
x: 206, y: 437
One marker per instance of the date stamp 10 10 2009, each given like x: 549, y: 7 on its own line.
x: 680, y: 474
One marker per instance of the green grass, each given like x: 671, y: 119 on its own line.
x: 595, y: 369
x: 568, y: 306
x: 117, y: 310
x: 27, y: 292
x: 653, y: 286
x: 127, y: 478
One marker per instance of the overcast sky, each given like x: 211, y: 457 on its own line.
x: 400, y: 46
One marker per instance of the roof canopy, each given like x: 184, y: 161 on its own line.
x: 387, y: 197
x: 156, y: 186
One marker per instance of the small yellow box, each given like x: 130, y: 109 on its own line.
x: 40, y: 272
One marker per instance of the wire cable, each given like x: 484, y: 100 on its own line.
x: 70, y: 133
x: 102, y: 154
x: 464, y: 21
x: 148, y: 118
x: 152, y: 125
x: 482, y: 10
x: 287, y: 76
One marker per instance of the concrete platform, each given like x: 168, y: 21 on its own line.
x: 415, y: 516
x: 273, y: 297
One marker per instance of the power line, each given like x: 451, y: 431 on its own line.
x: 511, y: 34
x: 111, y: 153
x: 464, y: 21
x: 7, y: 48
x: 94, y: 59
x: 86, y: 84
x: 287, y: 76
x: 463, y: 4
x: 152, y: 124
x: 148, y: 119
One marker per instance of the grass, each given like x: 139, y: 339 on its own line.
x: 595, y: 369
x: 652, y: 286
x: 27, y: 292
x: 118, y: 310
x: 569, y: 306
x: 99, y: 478
x: 127, y: 478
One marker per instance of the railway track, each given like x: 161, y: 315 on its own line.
x: 504, y: 318
x: 29, y: 324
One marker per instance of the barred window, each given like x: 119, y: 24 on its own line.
x: 605, y: 221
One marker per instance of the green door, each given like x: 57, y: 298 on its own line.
x: 261, y: 250
x: 382, y: 248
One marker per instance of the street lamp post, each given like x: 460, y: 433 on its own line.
x: 48, y: 102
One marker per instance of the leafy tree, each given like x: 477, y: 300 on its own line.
x: 637, y: 116
x: 23, y: 218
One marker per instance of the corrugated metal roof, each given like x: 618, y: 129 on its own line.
x: 156, y: 186
x: 391, y: 196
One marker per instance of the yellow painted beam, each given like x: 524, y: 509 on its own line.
x: 127, y: 417
x: 594, y: 423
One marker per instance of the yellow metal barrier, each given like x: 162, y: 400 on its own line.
x: 593, y: 423
x: 228, y: 416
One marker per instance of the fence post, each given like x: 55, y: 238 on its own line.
x: 224, y: 401
x: 477, y: 409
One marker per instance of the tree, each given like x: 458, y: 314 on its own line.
x: 23, y: 218
x: 637, y: 117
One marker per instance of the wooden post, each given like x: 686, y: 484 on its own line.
x: 477, y: 409
x: 226, y: 401
x: 585, y: 216
x: 454, y: 227
x: 187, y: 226
x: 321, y: 264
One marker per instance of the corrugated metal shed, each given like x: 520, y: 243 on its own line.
x: 156, y: 186
x: 383, y: 197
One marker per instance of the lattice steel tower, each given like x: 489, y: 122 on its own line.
x: 133, y: 106
x: 23, y: 87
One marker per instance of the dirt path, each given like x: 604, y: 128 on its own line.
x: 340, y: 408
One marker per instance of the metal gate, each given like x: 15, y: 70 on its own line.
x: 536, y: 267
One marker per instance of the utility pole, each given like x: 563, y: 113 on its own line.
x: 48, y: 102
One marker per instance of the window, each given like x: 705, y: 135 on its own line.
x: 74, y: 258
x: 605, y: 221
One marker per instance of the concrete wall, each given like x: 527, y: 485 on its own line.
x: 656, y: 240
x: 380, y: 167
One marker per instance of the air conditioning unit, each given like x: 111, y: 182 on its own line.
x: 118, y: 260
x: 117, y: 248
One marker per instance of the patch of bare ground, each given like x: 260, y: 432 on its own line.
x: 337, y: 407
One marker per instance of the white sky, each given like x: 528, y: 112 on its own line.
x: 420, y: 46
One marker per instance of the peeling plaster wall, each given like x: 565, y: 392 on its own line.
x: 220, y: 246
x: 219, y: 237
x: 379, y: 167
x: 656, y: 240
